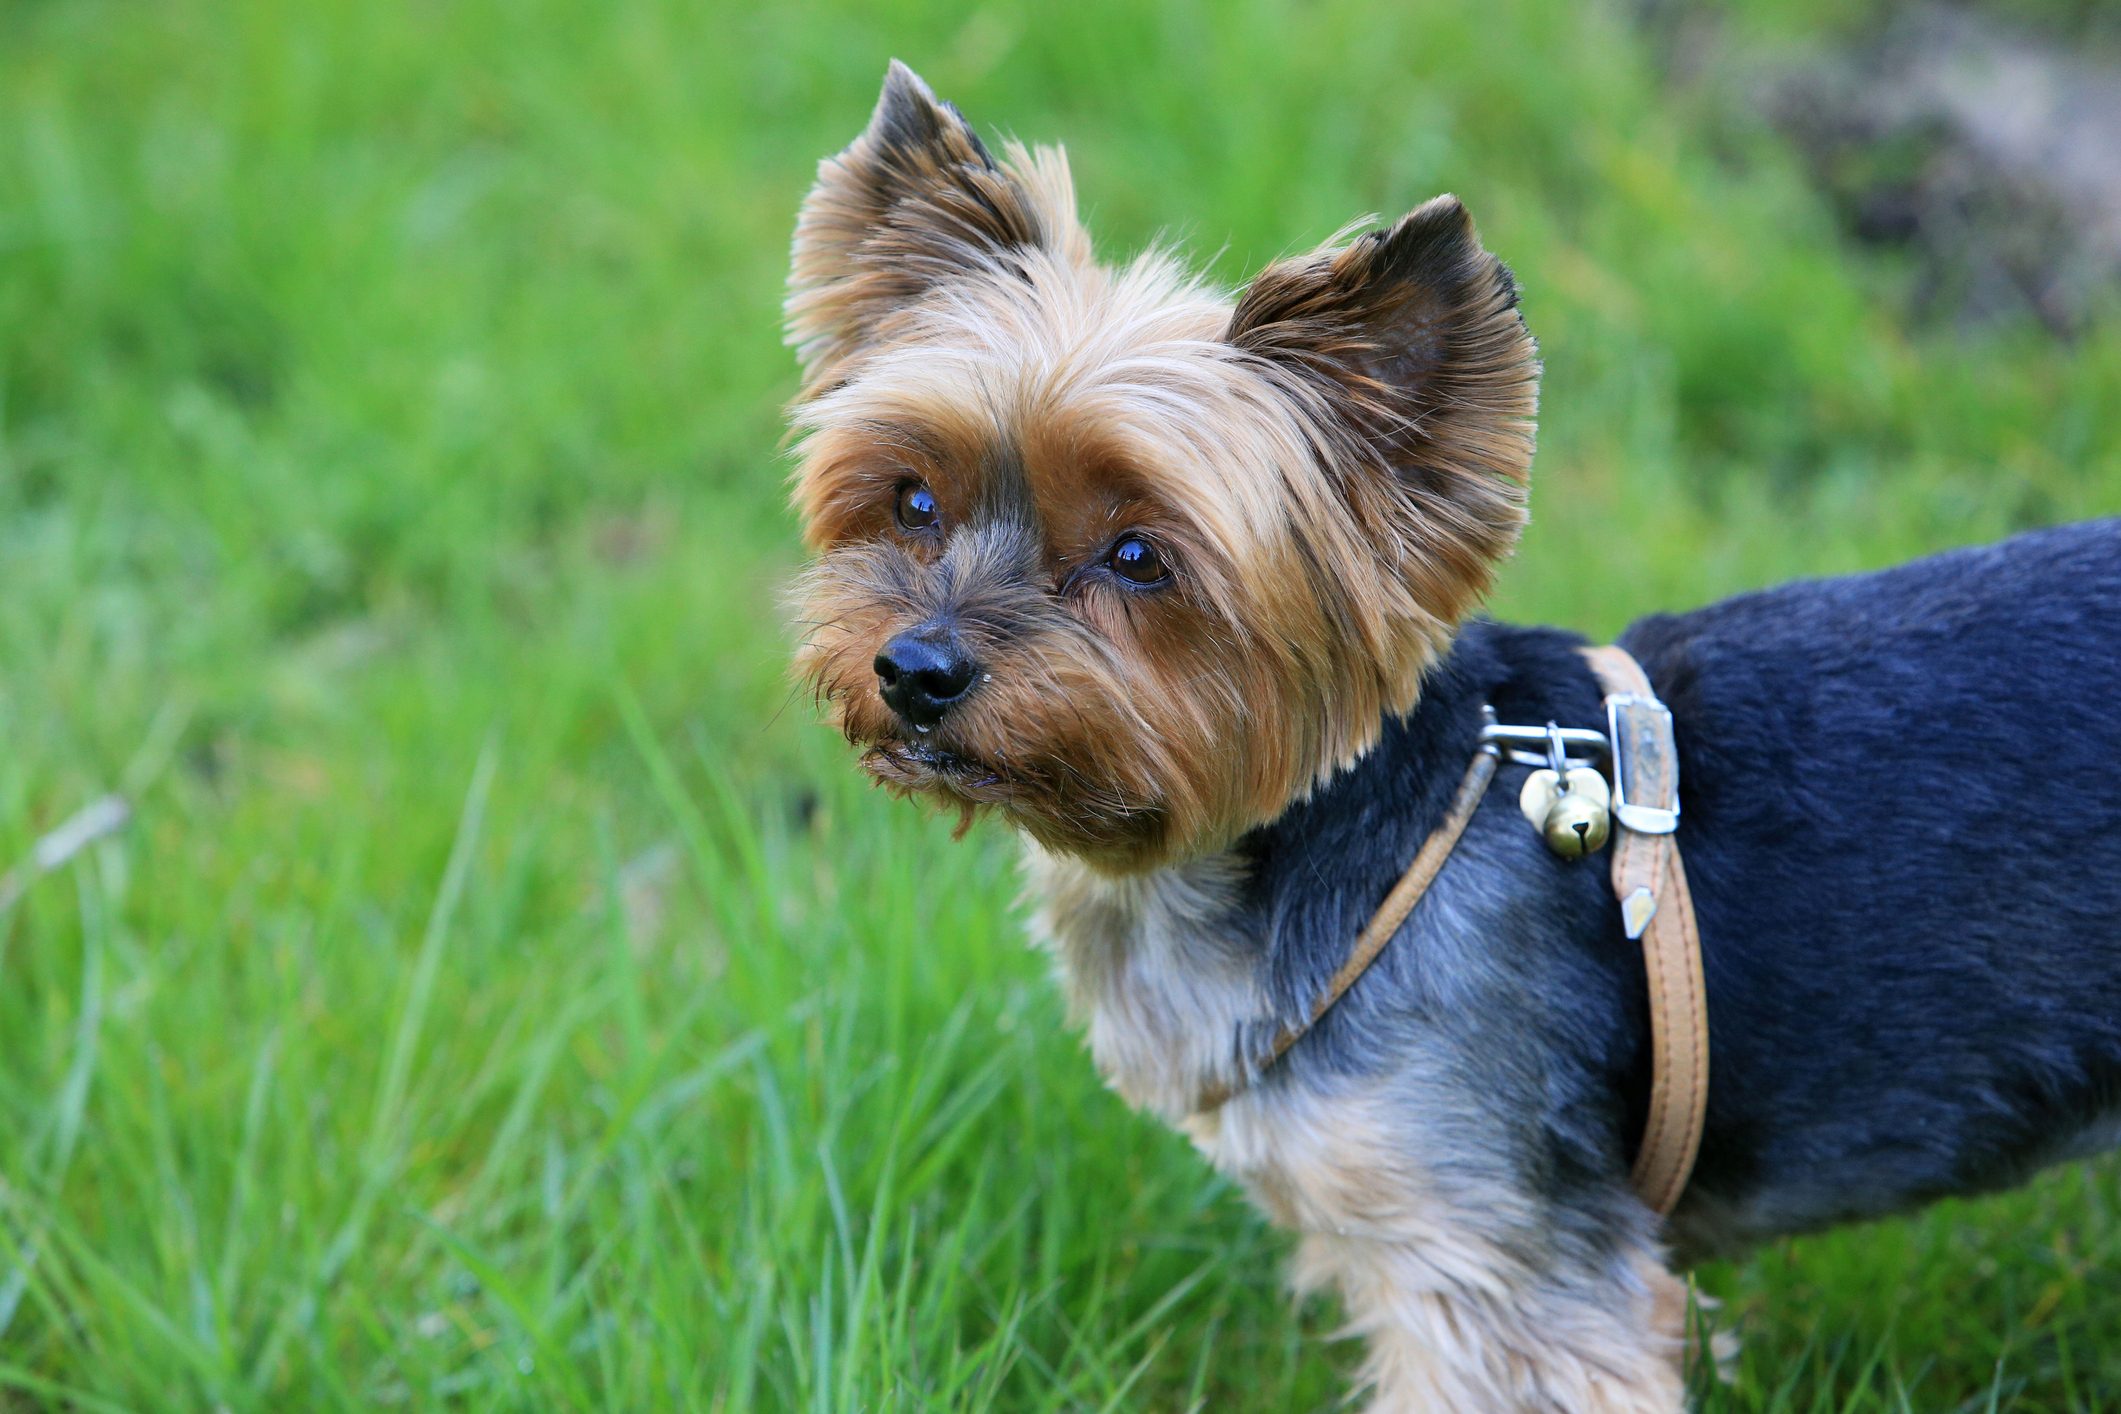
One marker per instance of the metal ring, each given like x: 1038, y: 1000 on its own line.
x: 1558, y: 755
x: 1530, y: 746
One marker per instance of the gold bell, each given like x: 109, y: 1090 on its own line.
x: 1569, y: 811
x: 1576, y: 825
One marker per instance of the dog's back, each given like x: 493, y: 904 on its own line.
x: 1903, y: 826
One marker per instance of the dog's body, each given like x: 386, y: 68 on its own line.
x: 1172, y: 583
x: 1910, y: 909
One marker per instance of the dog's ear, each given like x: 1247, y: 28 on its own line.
x: 1406, y: 346
x: 912, y: 202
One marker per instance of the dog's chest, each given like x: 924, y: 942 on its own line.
x: 1159, y: 969
x: 1161, y: 972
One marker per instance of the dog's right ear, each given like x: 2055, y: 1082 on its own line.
x: 912, y: 202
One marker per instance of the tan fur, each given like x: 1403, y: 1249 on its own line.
x: 1158, y: 988
x: 1425, y: 1268
x: 1426, y: 1260
x: 1332, y: 464
x: 1328, y: 526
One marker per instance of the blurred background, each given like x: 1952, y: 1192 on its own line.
x: 483, y: 984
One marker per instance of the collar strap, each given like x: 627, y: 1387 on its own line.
x: 1428, y: 862
x: 1655, y: 907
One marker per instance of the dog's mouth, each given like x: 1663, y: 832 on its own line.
x: 967, y: 783
x: 921, y: 765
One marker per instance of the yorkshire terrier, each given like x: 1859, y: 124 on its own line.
x: 1179, y: 584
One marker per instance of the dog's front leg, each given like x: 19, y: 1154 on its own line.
x: 1454, y: 1324
x: 1479, y: 1288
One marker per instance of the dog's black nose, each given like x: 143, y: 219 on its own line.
x: 924, y: 672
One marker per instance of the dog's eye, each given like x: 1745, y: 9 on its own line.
x: 1136, y: 561
x: 916, y: 507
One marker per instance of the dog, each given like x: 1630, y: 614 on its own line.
x: 1183, y: 586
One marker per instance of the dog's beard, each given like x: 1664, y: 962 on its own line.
x: 918, y: 763
x: 1066, y: 783
x: 917, y: 766
x: 1053, y: 800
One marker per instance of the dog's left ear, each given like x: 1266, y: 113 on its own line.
x: 1406, y: 346
x: 915, y: 201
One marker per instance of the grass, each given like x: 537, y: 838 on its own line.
x: 504, y: 996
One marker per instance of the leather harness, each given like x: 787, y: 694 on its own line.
x: 1650, y: 882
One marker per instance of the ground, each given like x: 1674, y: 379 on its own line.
x: 503, y: 994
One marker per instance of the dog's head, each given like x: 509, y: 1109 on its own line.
x: 1129, y: 560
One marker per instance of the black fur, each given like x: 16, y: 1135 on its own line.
x: 1902, y: 829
